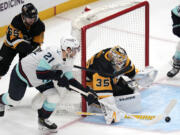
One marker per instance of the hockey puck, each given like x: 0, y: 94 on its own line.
x: 167, y: 119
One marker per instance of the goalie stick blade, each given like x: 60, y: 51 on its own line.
x: 166, y: 112
x: 170, y: 106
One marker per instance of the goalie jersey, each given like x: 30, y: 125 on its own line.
x: 101, y: 83
x: 100, y: 62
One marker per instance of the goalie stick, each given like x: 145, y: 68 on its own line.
x: 138, y: 116
x: 158, y: 118
x: 102, y: 73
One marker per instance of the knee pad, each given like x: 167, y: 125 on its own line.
x: 53, y: 99
x: 52, y: 95
x: 9, y: 101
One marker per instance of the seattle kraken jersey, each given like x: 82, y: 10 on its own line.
x: 48, y: 59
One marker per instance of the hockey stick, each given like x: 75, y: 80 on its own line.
x: 104, y: 74
x: 93, y: 71
x: 138, y: 116
x: 158, y: 118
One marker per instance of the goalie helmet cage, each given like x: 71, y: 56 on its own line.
x: 128, y: 27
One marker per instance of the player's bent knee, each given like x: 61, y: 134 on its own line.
x: 53, y: 99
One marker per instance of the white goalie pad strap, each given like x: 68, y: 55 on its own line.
x: 129, y: 103
x: 146, y: 77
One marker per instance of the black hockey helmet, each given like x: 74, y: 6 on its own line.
x: 29, y: 11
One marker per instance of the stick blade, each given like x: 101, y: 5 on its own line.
x: 166, y: 112
x: 169, y: 108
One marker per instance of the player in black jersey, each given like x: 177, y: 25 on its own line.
x: 110, y: 60
x: 109, y: 88
x: 24, y: 34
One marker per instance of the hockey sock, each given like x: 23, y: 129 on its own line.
x: 42, y: 113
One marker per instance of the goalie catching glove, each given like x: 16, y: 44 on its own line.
x: 146, y: 77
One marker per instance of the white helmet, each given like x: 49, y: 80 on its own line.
x: 70, y: 42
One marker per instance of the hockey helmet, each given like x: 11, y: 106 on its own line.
x: 118, y: 56
x: 71, y: 43
x: 29, y: 11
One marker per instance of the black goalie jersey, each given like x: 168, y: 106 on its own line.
x: 100, y: 83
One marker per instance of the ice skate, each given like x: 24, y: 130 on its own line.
x: 172, y: 72
x: 46, y: 126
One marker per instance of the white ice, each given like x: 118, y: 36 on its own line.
x: 23, y: 120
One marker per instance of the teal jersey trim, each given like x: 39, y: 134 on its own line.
x: 177, y: 55
x: 175, y: 11
x: 4, y: 98
x: 43, y: 65
x: 176, y: 26
x: 20, y: 76
x: 69, y: 75
x: 49, y: 106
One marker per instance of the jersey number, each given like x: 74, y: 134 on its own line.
x: 102, y: 82
x: 48, y: 57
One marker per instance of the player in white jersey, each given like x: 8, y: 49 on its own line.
x: 38, y: 70
x: 175, y: 15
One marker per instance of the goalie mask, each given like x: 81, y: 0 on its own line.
x: 70, y: 45
x: 118, y: 57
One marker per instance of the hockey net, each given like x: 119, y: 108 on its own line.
x: 122, y: 23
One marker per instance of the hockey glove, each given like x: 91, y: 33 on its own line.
x: 63, y: 82
x: 92, y: 96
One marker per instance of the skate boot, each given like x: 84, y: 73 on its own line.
x: 46, y: 126
x: 172, y: 72
x: 2, y: 110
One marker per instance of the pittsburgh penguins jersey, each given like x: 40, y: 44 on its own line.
x: 101, y: 62
x: 44, y: 61
x: 17, y: 32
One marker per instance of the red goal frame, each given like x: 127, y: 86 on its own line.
x: 86, y: 27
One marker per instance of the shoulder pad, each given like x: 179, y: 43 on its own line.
x: 38, y: 27
x: 17, y: 22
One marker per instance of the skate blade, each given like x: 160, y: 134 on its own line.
x: 45, y: 131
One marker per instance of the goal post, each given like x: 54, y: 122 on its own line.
x: 138, y: 11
